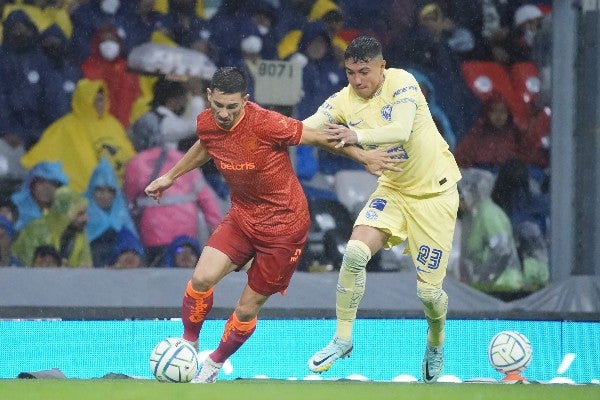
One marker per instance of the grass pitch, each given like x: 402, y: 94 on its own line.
x: 119, y: 389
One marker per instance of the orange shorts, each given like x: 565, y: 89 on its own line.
x: 273, y: 261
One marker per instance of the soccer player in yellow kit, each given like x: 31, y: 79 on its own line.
x: 385, y: 107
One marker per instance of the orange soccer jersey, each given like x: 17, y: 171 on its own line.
x: 266, y: 197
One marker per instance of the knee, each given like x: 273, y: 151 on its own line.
x: 430, y: 295
x: 356, y: 257
x: 200, y: 283
x: 247, y: 312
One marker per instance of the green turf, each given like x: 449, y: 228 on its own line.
x: 106, y: 389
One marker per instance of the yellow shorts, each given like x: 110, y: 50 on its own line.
x: 426, y: 224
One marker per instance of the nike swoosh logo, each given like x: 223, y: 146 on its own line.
x: 427, y: 376
x: 353, y: 124
x: 317, y: 363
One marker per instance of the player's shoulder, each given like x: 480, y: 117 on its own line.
x: 399, y: 81
x: 399, y: 76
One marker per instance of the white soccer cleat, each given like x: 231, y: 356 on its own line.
x: 209, y: 372
x: 433, y: 363
x: 323, y: 359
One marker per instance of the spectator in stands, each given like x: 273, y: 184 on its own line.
x: 527, y: 23
x: 429, y: 50
x: 442, y: 28
x: 490, y: 22
x: 251, y: 47
x: 493, y: 139
x: 108, y: 214
x: 8, y: 210
x: 7, y: 233
x: 321, y: 71
x: 231, y: 24
x: 82, y: 137
x: 108, y: 62
x: 63, y: 227
x: 393, y: 21
x: 138, y: 20
x: 534, y: 254
x: 513, y: 192
x: 11, y: 170
x: 26, y: 99
x: 34, y: 198
x: 46, y: 256
x: 57, y: 47
x: 183, y: 252
x: 178, y: 212
x: 87, y: 19
x: 293, y: 15
x: 333, y: 18
x: 439, y: 116
x: 264, y: 16
x: 321, y: 76
x: 43, y: 13
x: 489, y: 258
x: 128, y: 251
x: 183, y: 27
x: 172, y: 116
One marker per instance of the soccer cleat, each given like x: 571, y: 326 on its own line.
x: 433, y: 363
x: 209, y: 372
x: 323, y: 359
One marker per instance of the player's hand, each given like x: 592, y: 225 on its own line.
x: 156, y: 188
x: 383, y: 159
x: 341, y: 133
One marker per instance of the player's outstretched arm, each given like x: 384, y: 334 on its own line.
x: 195, y: 157
x: 375, y: 161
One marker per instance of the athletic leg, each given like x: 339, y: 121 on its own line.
x: 212, y: 266
x: 364, y: 242
x: 238, y: 328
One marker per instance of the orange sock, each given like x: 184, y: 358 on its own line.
x: 235, y: 334
x: 196, y: 305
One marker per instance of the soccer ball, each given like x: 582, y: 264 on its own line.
x: 174, y: 360
x: 509, y: 352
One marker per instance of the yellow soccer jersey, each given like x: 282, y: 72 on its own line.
x: 397, y: 114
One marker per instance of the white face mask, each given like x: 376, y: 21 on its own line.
x: 110, y: 6
x: 529, y: 36
x: 263, y: 29
x: 109, y: 49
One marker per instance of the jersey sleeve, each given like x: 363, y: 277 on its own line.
x: 329, y: 111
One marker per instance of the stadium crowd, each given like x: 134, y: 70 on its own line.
x: 82, y: 132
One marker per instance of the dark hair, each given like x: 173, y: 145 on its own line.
x: 165, y: 89
x: 47, y: 250
x: 229, y: 80
x: 363, y: 48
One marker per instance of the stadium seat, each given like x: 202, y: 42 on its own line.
x: 525, y: 81
x: 353, y: 188
x: 487, y: 77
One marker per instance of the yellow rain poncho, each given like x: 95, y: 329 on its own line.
x: 81, y: 138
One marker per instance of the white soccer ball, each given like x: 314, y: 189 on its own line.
x: 509, y: 351
x: 174, y: 360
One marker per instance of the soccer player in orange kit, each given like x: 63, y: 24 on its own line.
x: 268, y: 221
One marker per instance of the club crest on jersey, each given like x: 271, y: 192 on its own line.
x: 386, y: 112
x: 378, y: 204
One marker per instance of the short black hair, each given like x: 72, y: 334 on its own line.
x: 229, y: 80
x: 165, y: 89
x: 47, y: 250
x: 363, y: 48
